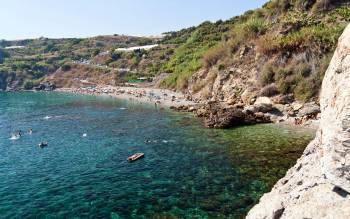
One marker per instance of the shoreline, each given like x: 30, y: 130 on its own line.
x: 156, y: 96
x: 164, y: 98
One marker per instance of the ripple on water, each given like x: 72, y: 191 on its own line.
x: 188, y: 171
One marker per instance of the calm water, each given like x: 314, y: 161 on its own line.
x: 188, y: 171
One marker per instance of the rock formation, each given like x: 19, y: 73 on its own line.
x: 318, y: 186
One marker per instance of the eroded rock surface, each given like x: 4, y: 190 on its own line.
x: 318, y: 186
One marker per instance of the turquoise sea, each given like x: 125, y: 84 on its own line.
x: 187, y: 172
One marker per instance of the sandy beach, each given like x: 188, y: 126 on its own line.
x: 161, y: 97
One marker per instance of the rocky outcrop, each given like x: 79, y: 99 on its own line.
x: 228, y: 117
x: 222, y: 115
x: 309, y: 109
x: 318, y: 186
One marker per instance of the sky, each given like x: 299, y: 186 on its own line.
x: 22, y: 19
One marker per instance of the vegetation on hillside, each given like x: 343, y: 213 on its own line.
x: 188, y: 56
x: 37, y: 58
x: 293, y: 38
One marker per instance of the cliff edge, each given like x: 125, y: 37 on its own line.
x: 318, y: 186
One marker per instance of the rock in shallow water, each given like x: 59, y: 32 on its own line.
x: 222, y: 117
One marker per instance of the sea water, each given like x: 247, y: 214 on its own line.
x: 188, y: 171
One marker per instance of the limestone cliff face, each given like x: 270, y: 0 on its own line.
x: 318, y: 186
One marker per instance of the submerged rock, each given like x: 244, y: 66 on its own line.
x: 318, y: 186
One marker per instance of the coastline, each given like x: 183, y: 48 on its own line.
x: 159, y: 97
x: 166, y: 98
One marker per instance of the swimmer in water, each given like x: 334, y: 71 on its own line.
x: 30, y: 131
x: 15, y: 136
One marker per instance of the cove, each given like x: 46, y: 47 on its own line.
x: 188, y: 171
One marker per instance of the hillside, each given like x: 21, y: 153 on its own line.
x: 282, y: 48
x: 27, y: 62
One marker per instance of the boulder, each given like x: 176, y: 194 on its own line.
x: 263, y: 104
x: 250, y: 109
x: 309, y: 109
x: 221, y: 116
x: 265, y: 108
x: 297, y: 106
x: 225, y: 118
x: 263, y: 100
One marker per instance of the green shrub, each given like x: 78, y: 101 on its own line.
x: 285, y: 80
x: 306, y: 89
x: 286, y: 85
x: 303, y: 70
x: 305, y: 38
x: 276, y: 7
x: 267, y: 75
x: 211, y: 57
x: 247, y: 30
x: 268, y: 44
x: 28, y: 84
x: 327, y: 36
x: 343, y: 12
x: 188, y: 58
x: 269, y: 90
x: 254, y: 27
x: 66, y: 67
x: 300, y: 79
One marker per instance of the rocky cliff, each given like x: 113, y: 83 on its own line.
x: 318, y: 186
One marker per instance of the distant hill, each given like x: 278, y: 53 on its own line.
x: 34, y: 59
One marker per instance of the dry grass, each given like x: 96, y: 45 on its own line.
x: 214, y: 55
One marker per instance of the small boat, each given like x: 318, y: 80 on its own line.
x: 43, y: 144
x: 136, y: 157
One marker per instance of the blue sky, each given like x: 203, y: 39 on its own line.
x: 82, y: 18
